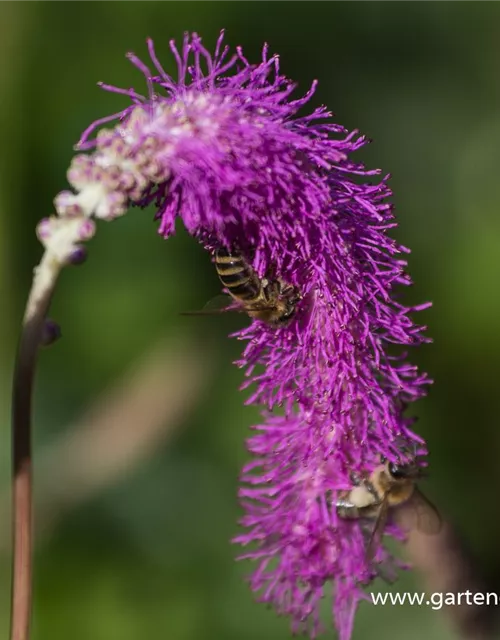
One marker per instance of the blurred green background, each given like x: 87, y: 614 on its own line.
x: 134, y: 523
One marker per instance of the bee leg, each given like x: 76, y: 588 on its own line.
x: 371, y: 489
x: 286, y: 290
x: 270, y: 290
x: 347, y: 510
x: 358, y: 481
x: 355, y: 478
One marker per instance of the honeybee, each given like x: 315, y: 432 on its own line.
x: 389, y: 486
x: 272, y: 301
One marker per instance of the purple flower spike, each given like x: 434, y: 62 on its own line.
x: 224, y: 147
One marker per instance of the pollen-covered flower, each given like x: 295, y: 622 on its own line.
x: 226, y: 148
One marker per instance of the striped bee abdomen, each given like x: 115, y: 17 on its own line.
x: 237, y: 275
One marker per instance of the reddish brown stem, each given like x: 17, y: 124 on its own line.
x: 449, y: 568
x: 44, y: 281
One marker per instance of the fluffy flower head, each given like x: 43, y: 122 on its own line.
x: 229, y: 150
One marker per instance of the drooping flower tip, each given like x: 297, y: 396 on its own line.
x: 62, y: 235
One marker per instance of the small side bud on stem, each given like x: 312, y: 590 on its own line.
x: 51, y: 332
x: 79, y: 256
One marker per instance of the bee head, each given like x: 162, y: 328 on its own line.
x: 408, y: 471
x: 289, y: 298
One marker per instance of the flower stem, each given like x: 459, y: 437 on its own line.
x: 44, y: 280
x: 450, y: 569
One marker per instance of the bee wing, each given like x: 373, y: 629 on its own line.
x: 221, y: 303
x: 224, y: 302
x: 422, y: 514
x: 378, y: 529
x: 215, y: 306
